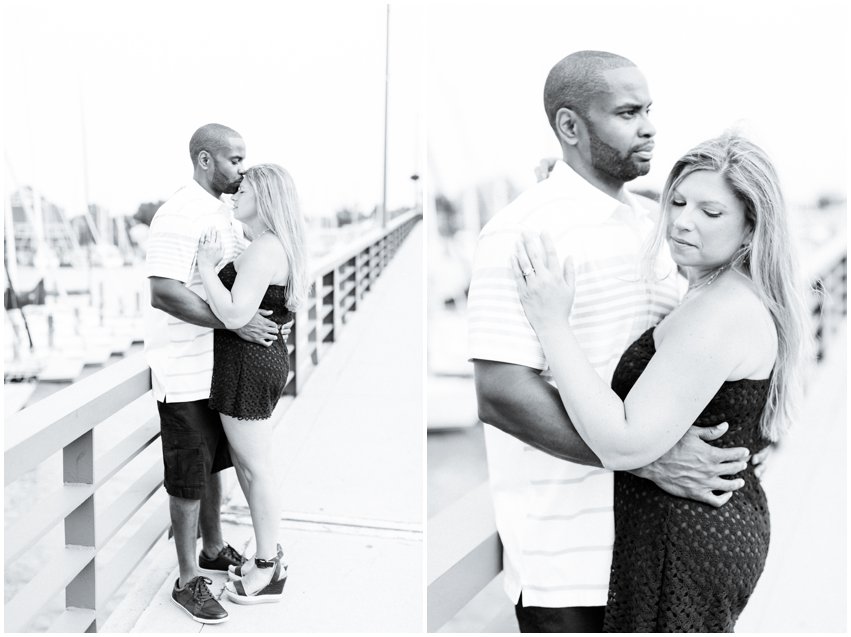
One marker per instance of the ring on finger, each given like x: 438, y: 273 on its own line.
x: 526, y: 273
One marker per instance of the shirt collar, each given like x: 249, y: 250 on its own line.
x: 595, y: 202
x: 198, y: 189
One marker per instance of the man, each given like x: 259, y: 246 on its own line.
x: 179, y: 350
x: 553, y: 502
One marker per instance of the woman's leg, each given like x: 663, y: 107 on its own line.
x: 251, y: 443
x: 240, y: 474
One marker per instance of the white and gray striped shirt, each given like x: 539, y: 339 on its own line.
x: 555, y: 517
x: 181, y: 354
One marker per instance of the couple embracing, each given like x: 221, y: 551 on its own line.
x: 624, y: 401
x: 226, y: 275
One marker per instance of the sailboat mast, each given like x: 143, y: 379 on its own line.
x: 386, y: 99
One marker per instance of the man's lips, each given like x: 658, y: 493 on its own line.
x: 644, y: 152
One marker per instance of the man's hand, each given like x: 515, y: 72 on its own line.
x: 693, y: 469
x: 759, y: 459
x: 259, y: 329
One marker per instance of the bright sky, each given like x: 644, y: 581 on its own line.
x: 778, y: 71
x: 302, y: 82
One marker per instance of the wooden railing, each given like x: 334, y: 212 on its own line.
x: 121, y: 394
x: 464, y: 551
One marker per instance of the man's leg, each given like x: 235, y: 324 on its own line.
x: 211, y: 516
x: 184, y: 522
x: 577, y: 619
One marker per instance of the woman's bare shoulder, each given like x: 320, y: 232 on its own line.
x: 733, y: 318
x: 267, y: 251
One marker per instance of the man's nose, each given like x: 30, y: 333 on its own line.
x: 647, y: 128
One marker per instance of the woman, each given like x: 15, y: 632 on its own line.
x: 248, y: 379
x: 731, y: 351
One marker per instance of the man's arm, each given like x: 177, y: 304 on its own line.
x: 172, y: 297
x: 516, y: 400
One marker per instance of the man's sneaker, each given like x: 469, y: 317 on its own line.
x: 197, y: 600
x: 228, y: 556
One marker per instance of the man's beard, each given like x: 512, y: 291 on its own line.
x: 610, y: 161
x: 220, y: 182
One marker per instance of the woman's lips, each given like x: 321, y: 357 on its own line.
x: 682, y: 243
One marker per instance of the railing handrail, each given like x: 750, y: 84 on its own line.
x: 327, y: 262
x: 65, y: 422
x: 51, y: 423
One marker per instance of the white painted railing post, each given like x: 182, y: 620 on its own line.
x: 78, y: 467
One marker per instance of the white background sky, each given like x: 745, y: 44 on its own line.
x: 777, y: 70
x: 302, y: 82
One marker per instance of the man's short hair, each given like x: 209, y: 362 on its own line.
x: 577, y: 80
x: 210, y: 137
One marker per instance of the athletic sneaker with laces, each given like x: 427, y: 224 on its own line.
x: 196, y: 599
x: 228, y: 556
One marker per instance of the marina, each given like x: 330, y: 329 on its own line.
x: 128, y: 516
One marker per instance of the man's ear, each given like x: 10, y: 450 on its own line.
x: 204, y: 159
x: 567, y: 125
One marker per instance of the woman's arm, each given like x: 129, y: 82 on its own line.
x: 680, y: 380
x: 258, y: 265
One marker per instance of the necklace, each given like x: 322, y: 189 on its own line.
x: 708, y: 281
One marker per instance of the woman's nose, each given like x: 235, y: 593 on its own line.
x: 682, y: 219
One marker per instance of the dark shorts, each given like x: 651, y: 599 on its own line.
x: 194, y: 446
x: 578, y: 619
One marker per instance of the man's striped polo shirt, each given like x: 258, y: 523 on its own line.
x: 181, y: 354
x: 555, y: 517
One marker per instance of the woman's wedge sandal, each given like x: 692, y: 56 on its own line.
x: 270, y: 593
x: 235, y: 572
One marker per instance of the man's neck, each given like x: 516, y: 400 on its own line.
x: 199, y: 179
x: 604, y: 183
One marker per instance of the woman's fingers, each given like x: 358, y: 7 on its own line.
x: 550, y: 253
x: 534, y: 250
x: 569, y: 272
x: 522, y: 258
x: 517, y: 271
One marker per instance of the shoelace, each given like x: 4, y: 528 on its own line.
x: 199, y: 589
x: 232, y: 554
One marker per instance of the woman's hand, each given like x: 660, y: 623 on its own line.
x: 210, y: 249
x: 546, y: 289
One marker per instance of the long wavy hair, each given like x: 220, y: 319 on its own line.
x: 278, y: 208
x: 769, y: 259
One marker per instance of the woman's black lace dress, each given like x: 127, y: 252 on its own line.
x: 680, y: 565
x: 248, y: 379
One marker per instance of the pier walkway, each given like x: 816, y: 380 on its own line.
x: 350, y: 449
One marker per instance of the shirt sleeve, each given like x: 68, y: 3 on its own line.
x: 172, y: 247
x: 497, y: 327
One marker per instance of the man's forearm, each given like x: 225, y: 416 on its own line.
x: 519, y: 402
x: 182, y: 303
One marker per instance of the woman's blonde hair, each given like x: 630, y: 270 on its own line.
x: 768, y: 259
x: 278, y: 208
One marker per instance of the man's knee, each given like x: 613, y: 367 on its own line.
x: 183, y: 512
